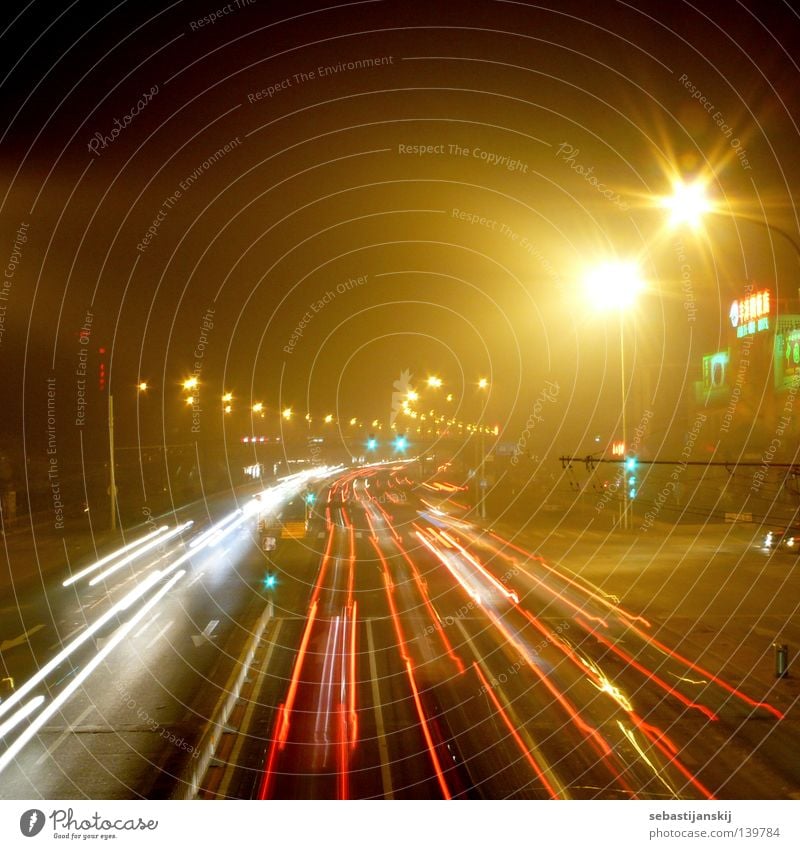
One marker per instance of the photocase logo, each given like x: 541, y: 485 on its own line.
x: 31, y: 822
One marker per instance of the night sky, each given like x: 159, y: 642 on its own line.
x: 298, y: 202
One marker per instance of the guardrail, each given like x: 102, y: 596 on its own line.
x: 209, y: 741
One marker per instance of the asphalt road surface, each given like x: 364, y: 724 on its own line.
x: 404, y: 651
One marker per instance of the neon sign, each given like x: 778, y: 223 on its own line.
x: 751, y: 314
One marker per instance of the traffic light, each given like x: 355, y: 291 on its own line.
x: 270, y: 581
x: 630, y: 470
x: 372, y: 443
x: 400, y: 442
x: 311, y: 497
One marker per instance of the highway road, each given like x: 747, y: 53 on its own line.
x: 404, y: 651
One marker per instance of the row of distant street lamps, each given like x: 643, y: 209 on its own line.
x: 191, y: 386
x: 615, y: 285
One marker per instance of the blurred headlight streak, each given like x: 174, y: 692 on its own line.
x: 17, y: 717
x: 135, y: 556
x: 122, y: 604
x: 114, y: 554
x: 63, y: 697
x: 214, y: 528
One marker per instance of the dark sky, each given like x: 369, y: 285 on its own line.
x: 466, y: 261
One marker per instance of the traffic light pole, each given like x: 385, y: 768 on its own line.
x: 112, y: 488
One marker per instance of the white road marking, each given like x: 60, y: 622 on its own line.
x: 146, y: 625
x: 248, y: 714
x: 376, y: 700
x: 159, y: 635
x: 199, y: 639
x: 22, y: 638
x: 48, y: 753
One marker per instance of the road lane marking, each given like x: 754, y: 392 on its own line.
x: 205, y: 636
x: 545, y: 767
x: 146, y: 625
x: 159, y: 635
x: 48, y: 753
x: 248, y: 714
x: 376, y: 700
x: 22, y: 638
x: 194, y: 580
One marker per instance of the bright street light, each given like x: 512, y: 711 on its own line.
x: 434, y: 382
x: 483, y: 383
x: 287, y: 413
x: 613, y: 285
x: 258, y: 407
x: 227, y: 398
x: 328, y: 418
x: 142, y: 387
x: 190, y: 383
x: 412, y: 395
x: 687, y: 204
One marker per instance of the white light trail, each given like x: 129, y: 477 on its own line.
x: 17, y: 717
x: 92, y: 629
x: 131, y: 557
x: 114, y: 554
x: 64, y: 696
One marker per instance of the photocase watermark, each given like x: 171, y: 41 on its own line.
x: 100, y: 142
x: 206, y: 326
x: 569, y: 154
x: 20, y: 237
x: 220, y: 13
x: 183, y: 186
x: 515, y: 667
x: 638, y: 433
x: 766, y: 458
x: 130, y: 702
x: 401, y: 388
x: 488, y: 157
x: 52, y: 456
x: 548, y: 395
x: 741, y: 374
x: 503, y: 229
x: 318, y: 73
x: 686, y: 282
x: 719, y: 119
x: 81, y: 369
x: 65, y: 824
x: 467, y: 608
x: 671, y: 485
x: 318, y: 305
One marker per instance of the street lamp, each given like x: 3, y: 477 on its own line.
x: 190, y: 383
x: 434, y: 382
x: 615, y: 286
x: 142, y: 387
x: 689, y: 202
x: 258, y: 407
x: 287, y: 414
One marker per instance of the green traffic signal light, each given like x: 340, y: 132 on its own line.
x: 630, y: 464
x: 401, y: 443
x: 372, y: 443
x: 269, y: 581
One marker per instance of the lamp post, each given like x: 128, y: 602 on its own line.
x: 483, y: 384
x: 614, y: 286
